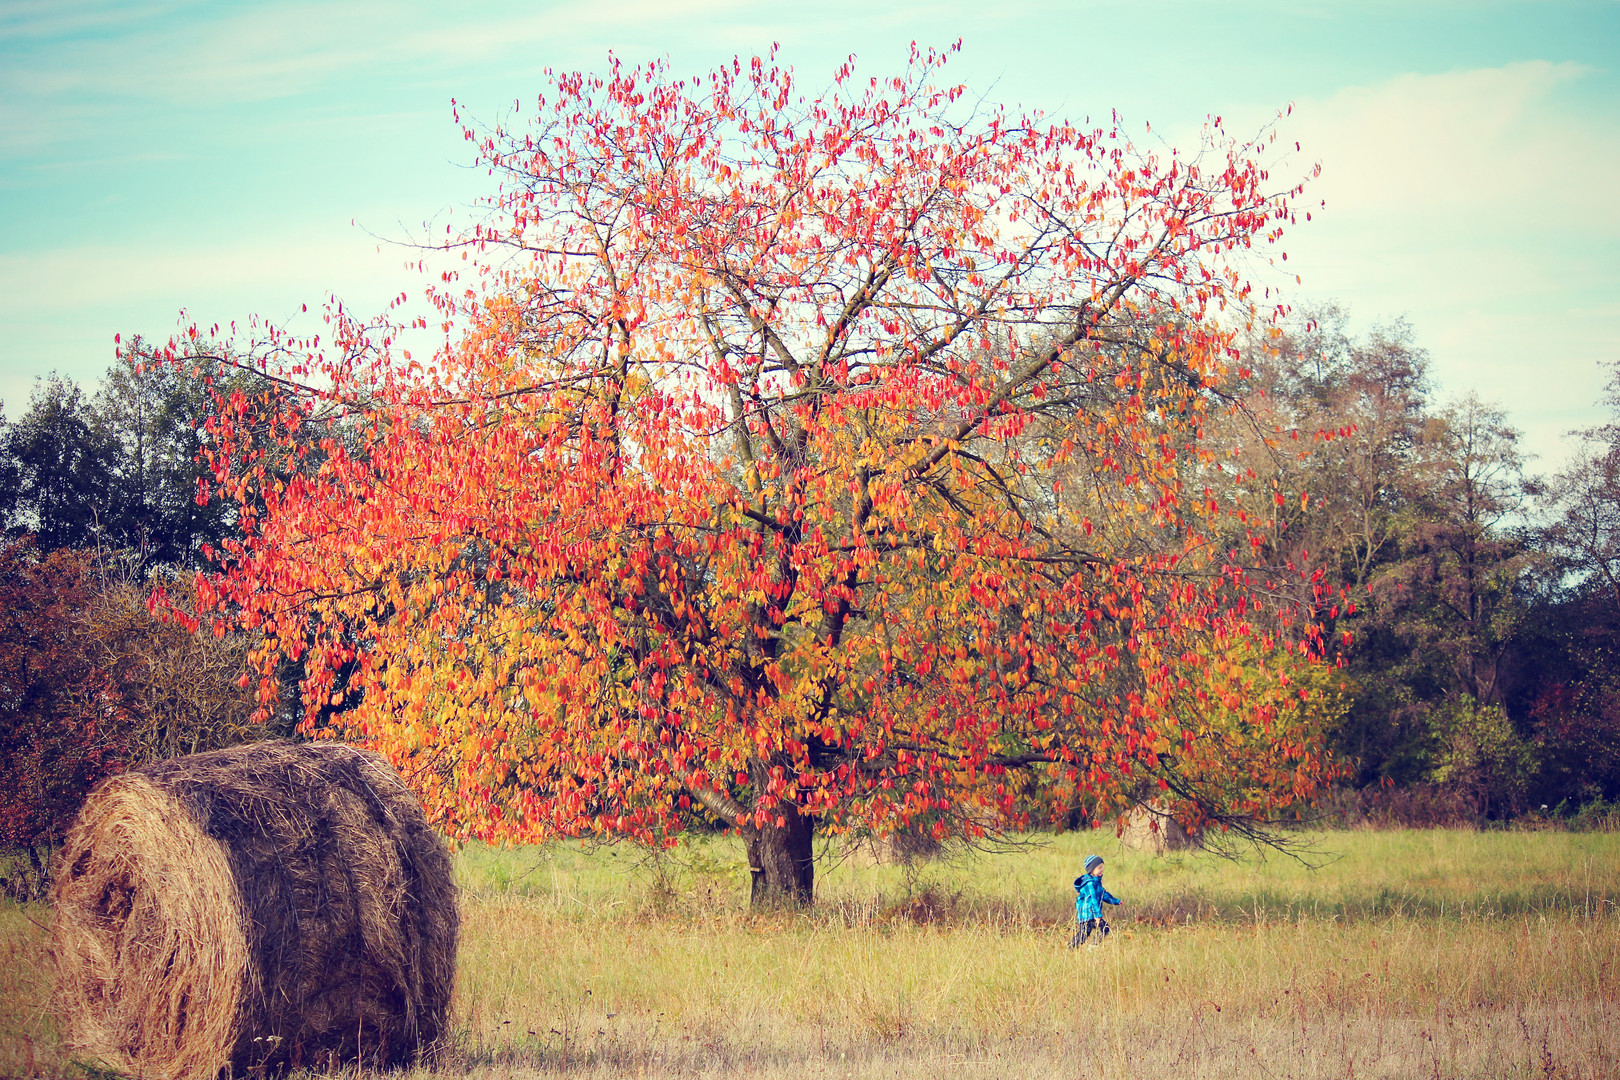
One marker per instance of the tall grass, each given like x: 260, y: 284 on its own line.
x: 1403, y: 954
x: 27, y: 1033
x: 1450, y: 953
x: 798, y: 998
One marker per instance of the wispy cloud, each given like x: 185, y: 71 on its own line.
x: 1494, y: 141
x: 1479, y: 203
x: 34, y: 21
x: 219, y: 54
x: 59, y: 309
x: 1475, y: 199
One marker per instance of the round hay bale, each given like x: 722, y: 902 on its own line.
x: 1151, y: 829
x: 251, y: 909
x: 902, y: 847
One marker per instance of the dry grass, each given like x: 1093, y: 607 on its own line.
x: 1428, y: 954
x: 28, y: 1035
x: 1304, y: 998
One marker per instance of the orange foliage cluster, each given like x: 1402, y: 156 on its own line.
x: 794, y: 456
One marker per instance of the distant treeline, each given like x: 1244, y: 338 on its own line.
x: 1475, y: 628
x: 100, y: 501
x: 1481, y: 603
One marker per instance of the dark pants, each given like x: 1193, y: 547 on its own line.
x: 1086, y: 927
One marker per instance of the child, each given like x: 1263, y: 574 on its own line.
x: 1089, y: 900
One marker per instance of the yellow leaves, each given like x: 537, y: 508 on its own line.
x: 580, y: 596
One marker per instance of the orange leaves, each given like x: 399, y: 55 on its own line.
x: 814, y: 443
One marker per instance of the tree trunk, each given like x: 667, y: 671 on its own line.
x: 782, y: 862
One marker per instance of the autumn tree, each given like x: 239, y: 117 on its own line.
x: 62, y: 727
x: 797, y: 459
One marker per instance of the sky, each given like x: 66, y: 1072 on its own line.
x: 234, y: 159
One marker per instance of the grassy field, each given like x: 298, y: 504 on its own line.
x: 1402, y: 954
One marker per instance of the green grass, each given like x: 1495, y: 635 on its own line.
x: 1345, y: 875
x: 1403, y: 954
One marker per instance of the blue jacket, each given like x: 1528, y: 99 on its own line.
x: 1092, y: 895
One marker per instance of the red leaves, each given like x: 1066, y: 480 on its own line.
x: 754, y: 461
x: 62, y: 726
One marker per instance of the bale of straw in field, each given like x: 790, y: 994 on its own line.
x: 901, y: 847
x: 251, y: 909
x: 1150, y: 828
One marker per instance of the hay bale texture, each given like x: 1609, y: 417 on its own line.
x: 1150, y: 828
x: 246, y: 910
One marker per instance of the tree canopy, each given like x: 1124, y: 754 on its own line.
x: 793, y: 459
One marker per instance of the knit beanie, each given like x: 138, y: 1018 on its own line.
x: 1092, y: 860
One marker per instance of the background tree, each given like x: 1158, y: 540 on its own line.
x: 10, y: 474
x: 1336, y: 489
x: 1566, y: 677
x: 62, y: 464
x: 121, y: 468
x: 96, y: 492
x: 1582, y: 503
x: 1479, y: 753
x: 1564, y: 691
x: 804, y: 459
x: 183, y: 689
x: 62, y: 727
x: 92, y: 681
x: 1462, y: 568
x: 1409, y: 513
x: 153, y: 417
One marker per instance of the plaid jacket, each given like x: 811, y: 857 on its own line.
x: 1092, y: 895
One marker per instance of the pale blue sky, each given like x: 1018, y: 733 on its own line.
x: 212, y: 156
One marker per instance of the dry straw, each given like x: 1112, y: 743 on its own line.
x: 251, y: 909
